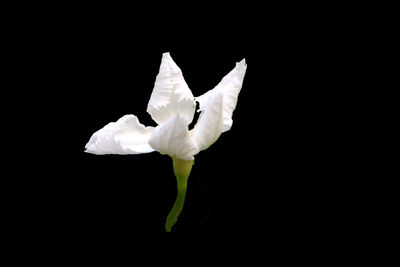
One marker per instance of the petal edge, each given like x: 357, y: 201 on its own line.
x: 173, y: 138
x: 230, y: 87
x: 171, y: 94
x: 209, y: 126
x: 125, y: 136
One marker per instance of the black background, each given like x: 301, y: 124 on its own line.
x: 278, y: 172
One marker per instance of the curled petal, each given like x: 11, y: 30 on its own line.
x: 230, y: 87
x: 125, y: 136
x: 173, y: 138
x: 171, y: 94
x: 210, y: 123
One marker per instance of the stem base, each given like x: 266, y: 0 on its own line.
x: 182, y: 170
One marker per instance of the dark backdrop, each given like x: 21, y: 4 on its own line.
x: 276, y: 172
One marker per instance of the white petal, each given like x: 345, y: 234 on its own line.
x: 230, y: 87
x: 170, y: 95
x: 210, y: 123
x: 173, y: 138
x: 126, y: 136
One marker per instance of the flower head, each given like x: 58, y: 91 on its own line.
x: 172, y: 106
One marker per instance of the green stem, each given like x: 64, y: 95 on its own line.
x: 182, y: 170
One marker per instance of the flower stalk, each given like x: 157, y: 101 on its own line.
x: 182, y: 170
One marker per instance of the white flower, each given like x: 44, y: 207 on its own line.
x: 172, y: 106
